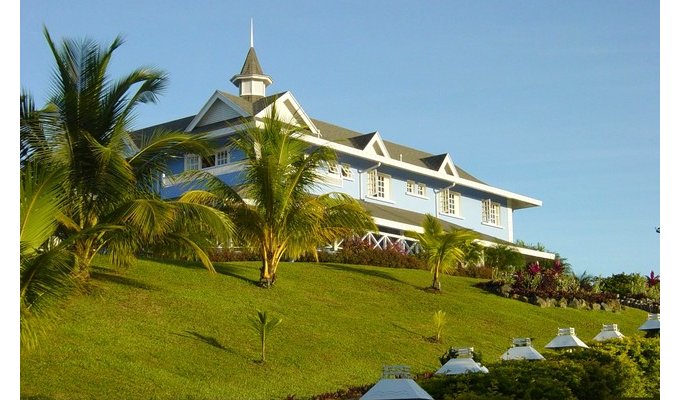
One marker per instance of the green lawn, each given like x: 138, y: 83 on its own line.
x: 173, y: 331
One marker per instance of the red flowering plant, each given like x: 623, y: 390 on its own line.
x: 653, y: 280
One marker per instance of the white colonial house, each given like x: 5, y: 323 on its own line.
x: 396, y: 183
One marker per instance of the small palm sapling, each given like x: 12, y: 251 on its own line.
x: 264, y: 324
x: 439, y: 319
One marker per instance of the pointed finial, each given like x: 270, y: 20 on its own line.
x: 251, y: 32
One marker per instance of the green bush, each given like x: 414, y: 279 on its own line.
x: 608, y: 370
x: 624, y: 284
x: 356, y: 251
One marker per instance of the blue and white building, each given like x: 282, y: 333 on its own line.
x: 397, y: 184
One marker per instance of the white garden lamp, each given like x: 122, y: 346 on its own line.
x: 566, y: 340
x: 461, y: 365
x: 610, y: 331
x: 396, y: 384
x: 653, y: 323
x: 522, y: 350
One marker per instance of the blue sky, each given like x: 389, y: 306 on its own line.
x: 557, y: 100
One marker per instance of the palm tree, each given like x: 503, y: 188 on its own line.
x: 443, y: 249
x: 273, y: 207
x: 473, y: 255
x: 111, y: 182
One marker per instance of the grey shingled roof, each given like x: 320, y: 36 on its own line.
x: 251, y: 66
x: 331, y: 132
x: 434, y: 162
x: 252, y: 108
x: 174, y: 125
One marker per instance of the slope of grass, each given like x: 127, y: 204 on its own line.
x: 173, y: 331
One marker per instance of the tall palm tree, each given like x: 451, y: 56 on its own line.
x: 111, y: 181
x: 273, y: 207
x: 443, y: 249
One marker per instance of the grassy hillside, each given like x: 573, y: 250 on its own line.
x: 173, y: 331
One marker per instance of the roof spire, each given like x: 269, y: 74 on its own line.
x: 251, y: 81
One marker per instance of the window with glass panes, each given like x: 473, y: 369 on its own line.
x: 378, y: 185
x: 449, y: 202
x: 191, y: 162
x: 491, y: 212
x: 222, y: 157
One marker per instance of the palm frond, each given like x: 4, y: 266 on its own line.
x: 41, y: 198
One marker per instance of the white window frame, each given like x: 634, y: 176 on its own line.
x: 449, y: 203
x: 379, y: 185
x: 421, y: 190
x: 346, y: 172
x: 491, y: 212
x: 410, y: 187
x: 333, y: 169
x: 416, y: 189
x: 226, y: 157
x: 190, y: 160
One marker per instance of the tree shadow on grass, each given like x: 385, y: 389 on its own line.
x: 205, y: 339
x: 236, y: 271
x: 410, y: 332
x: 363, y: 271
x: 119, y: 279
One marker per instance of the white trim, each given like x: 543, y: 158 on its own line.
x: 452, y: 216
x: 448, y: 162
x: 376, y: 139
x: 510, y: 227
x: 417, y: 196
x: 521, y: 250
x: 397, y: 225
x: 523, y: 200
x: 493, y: 225
x: 372, y: 199
x: 216, y: 96
x: 298, y: 111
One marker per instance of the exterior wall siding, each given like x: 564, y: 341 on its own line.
x: 217, y: 113
x: 470, y: 205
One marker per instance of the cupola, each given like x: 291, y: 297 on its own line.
x: 252, y: 81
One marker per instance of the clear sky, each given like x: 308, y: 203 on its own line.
x: 556, y: 100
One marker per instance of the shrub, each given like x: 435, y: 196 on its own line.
x: 502, y: 257
x: 231, y: 254
x: 621, y: 284
x: 609, y: 370
x: 356, y: 251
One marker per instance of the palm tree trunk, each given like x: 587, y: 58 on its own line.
x: 264, y: 333
x: 436, y: 285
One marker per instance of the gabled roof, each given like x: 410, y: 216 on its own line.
x: 434, y: 162
x: 252, y: 108
x: 360, y: 142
